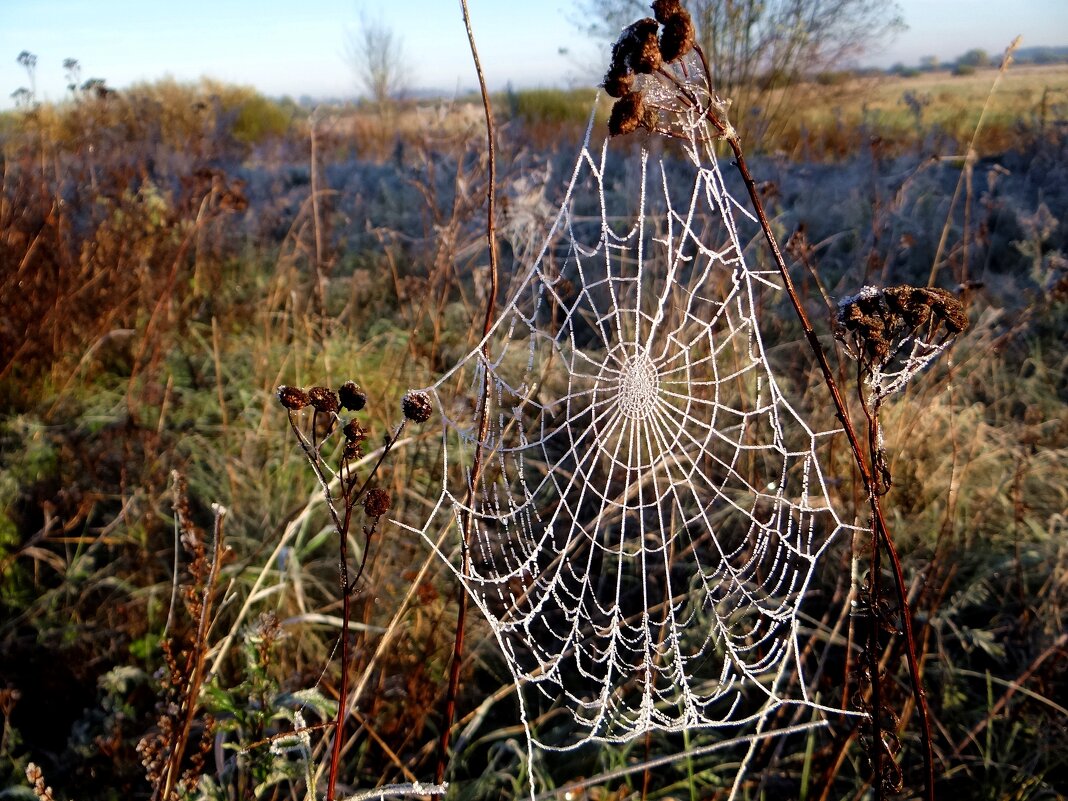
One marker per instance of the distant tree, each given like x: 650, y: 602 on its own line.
x: 29, y: 62
x: 22, y: 97
x: 72, y: 71
x: 97, y: 87
x: 755, y: 43
x: 376, y: 54
x: 929, y: 63
x: 974, y: 58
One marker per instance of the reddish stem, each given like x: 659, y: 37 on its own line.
x: 871, y: 489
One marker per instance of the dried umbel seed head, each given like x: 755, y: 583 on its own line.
x: 677, y: 38
x: 354, y: 432
x: 293, y: 398
x: 951, y: 310
x: 417, y: 406
x: 352, y: 450
x: 323, y: 399
x: 376, y: 502
x: 630, y: 113
x: 882, y: 321
x: 918, y: 305
x: 351, y: 396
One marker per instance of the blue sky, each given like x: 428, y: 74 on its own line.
x: 299, y: 48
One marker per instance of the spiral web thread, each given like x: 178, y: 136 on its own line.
x: 650, y: 509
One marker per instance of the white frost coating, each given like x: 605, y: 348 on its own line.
x: 397, y: 790
x: 651, y: 509
x: 914, y: 355
x: 865, y: 293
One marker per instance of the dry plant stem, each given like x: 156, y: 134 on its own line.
x: 876, y: 751
x: 341, y: 526
x: 196, y: 676
x: 483, y: 411
x: 881, y: 530
x: 970, y: 157
x: 346, y: 596
x: 343, y: 690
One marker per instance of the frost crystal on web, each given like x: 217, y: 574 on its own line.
x: 649, y: 509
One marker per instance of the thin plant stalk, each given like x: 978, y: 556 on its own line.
x: 165, y: 789
x: 483, y: 406
x: 347, y: 586
x: 881, y: 530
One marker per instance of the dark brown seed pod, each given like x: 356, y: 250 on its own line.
x: 618, y: 81
x: 630, y: 50
x: 677, y: 38
x: 376, y: 502
x: 351, y: 396
x: 627, y: 114
x: 354, y: 432
x: 417, y: 406
x: 646, y: 56
x: 293, y: 398
x: 323, y: 399
x: 664, y: 10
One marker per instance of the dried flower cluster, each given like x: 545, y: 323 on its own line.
x: 879, y: 322
x: 639, y: 51
x: 417, y: 406
x: 317, y: 436
x: 376, y: 502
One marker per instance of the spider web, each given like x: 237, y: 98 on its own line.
x: 648, y: 508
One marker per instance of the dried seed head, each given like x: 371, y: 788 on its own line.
x: 645, y: 55
x: 951, y: 310
x: 677, y: 38
x: 354, y: 432
x: 376, y: 502
x: 618, y: 81
x: 636, y: 48
x: 417, y: 406
x: 664, y: 10
x: 628, y: 113
x: 351, y: 396
x: 293, y: 398
x: 323, y: 399
x: 352, y: 450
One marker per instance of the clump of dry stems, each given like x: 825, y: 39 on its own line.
x: 171, y: 767
x: 340, y: 469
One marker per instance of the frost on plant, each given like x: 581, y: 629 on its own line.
x: 895, y: 332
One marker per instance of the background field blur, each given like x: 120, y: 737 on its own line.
x: 171, y: 253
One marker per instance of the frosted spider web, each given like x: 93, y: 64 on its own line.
x: 649, y: 509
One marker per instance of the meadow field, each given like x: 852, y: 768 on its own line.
x: 169, y: 601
